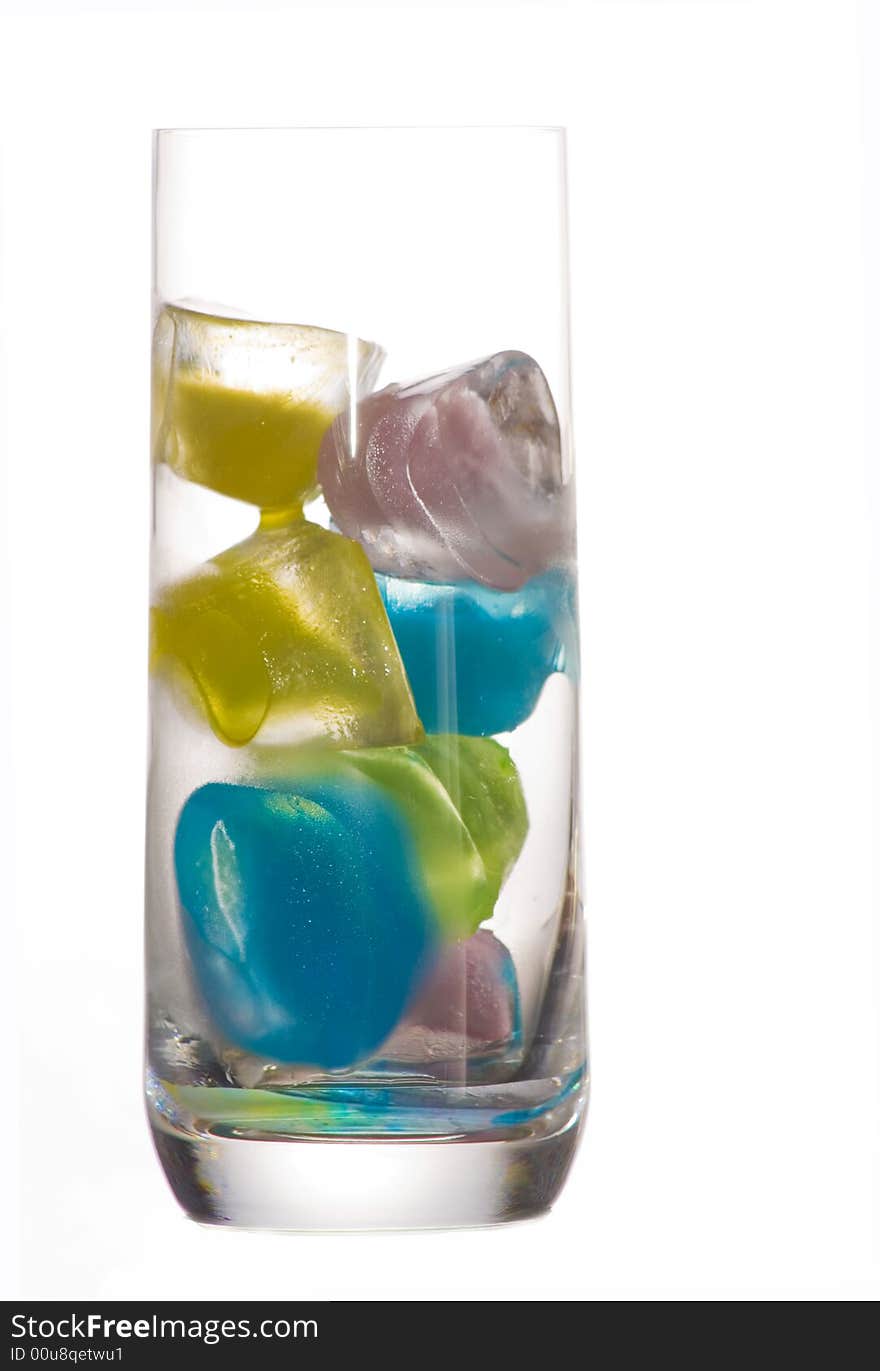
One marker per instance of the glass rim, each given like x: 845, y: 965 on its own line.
x: 556, y: 129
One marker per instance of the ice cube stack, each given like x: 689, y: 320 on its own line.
x: 333, y: 898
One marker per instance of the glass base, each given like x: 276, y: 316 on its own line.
x: 344, y: 1184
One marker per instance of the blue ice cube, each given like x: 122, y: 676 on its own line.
x: 305, y: 916
x: 477, y: 658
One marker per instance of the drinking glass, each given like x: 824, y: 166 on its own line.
x: 365, y: 1000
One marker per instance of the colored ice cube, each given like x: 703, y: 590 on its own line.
x: 483, y: 783
x: 241, y: 406
x: 285, y: 636
x: 467, y: 1004
x: 477, y: 658
x: 462, y: 801
x: 457, y: 477
x: 305, y: 917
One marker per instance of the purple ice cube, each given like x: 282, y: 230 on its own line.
x: 457, y: 477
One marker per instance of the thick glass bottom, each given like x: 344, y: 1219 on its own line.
x: 408, y: 1158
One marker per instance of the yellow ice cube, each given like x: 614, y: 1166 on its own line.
x: 285, y: 638
x: 241, y: 406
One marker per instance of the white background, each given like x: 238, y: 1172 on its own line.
x: 719, y: 369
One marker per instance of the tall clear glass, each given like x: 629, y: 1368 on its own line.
x: 364, y: 937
